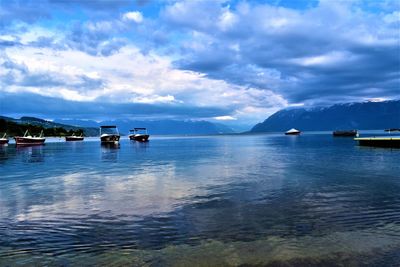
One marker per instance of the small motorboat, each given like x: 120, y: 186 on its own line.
x: 28, y: 140
x: 74, y: 137
x: 293, y: 131
x: 139, y: 134
x: 109, y: 135
x: 380, y: 141
x: 4, y: 140
x: 345, y: 133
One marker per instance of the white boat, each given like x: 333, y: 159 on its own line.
x: 139, y: 134
x: 28, y: 140
x: 74, y: 137
x: 4, y: 140
x: 109, y: 135
x: 293, y: 131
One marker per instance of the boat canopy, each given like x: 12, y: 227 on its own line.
x: 137, y: 129
x: 293, y: 130
x: 109, y: 129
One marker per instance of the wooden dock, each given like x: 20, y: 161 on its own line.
x: 379, y: 141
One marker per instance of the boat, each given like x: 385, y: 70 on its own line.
x: 74, y: 137
x: 349, y: 133
x: 382, y: 141
x: 109, y: 134
x: 4, y: 140
x: 139, y: 134
x: 293, y: 131
x: 28, y: 140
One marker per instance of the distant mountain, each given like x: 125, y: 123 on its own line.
x: 365, y: 116
x: 160, y: 127
x: 88, y: 131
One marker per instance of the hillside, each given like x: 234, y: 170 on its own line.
x: 35, y: 125
x: 159, y: 127
x: 365, y: 115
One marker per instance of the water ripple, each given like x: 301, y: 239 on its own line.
x: 239, y: 200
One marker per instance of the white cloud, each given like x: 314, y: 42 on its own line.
x: 225, y: 118
x: 7, y: 38
x: 154, y: 99
x: 330, y: 58
x: 393, y: 17
x: 128, y: 76
x: 135, y: 16
x: 227, y: 20
x: 250, y: 58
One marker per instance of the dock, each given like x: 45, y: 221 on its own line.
x: 379, y: 141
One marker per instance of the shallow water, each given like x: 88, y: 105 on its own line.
x: 201, y: 201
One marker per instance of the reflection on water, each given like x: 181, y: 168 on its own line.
x: 228, y: 200
x: 30, y: 154
x: 109, y: 152
x: 3, y: 152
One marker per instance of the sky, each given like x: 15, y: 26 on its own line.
x: 234, y: 62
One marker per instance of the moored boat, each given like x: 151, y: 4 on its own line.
x: 74, y: 137
x: 109, y: 134
x: 393, y: 142
x: 139, y: 134
x: 4, y: 140
x: 28, y: 140
x: 293, y: 131
x: 350, y: 133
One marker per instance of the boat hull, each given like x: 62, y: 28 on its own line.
x: 379, y: 141
x: 110, y: 139
x: 3, y: 141
x: 295, y: 133
x: 345, y: 133
x: 139, y: 137
x: 74, y: 138
x: 29, y: 141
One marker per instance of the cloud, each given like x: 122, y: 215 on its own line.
x: 197, y: 15
x: 20, y: 104
x: 335, y: 49
x: 26, y: 11
x: 225, y: 118
x: 247, y: 59
x: 127, y: 77
x: 135, y: 16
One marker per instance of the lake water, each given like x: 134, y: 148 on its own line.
x: 261, y: 200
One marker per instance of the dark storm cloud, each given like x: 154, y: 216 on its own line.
x: 28, y: 103
x: 323, y: 52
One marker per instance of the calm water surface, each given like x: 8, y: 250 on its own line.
x: 261, y: 200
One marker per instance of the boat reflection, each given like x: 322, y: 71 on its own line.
x: 110, y: 151
x: 31, y: 154
x: 3, y: 152
x: 140, y: 146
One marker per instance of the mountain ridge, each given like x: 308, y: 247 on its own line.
x: 355, y: 115
x: 159, y: 127
x: 26, y: 120
x: 166, y: 127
